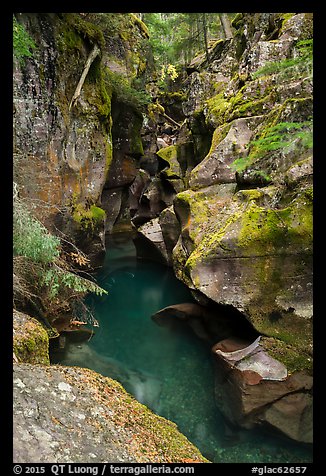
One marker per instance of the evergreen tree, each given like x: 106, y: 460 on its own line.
x: 177, y: 37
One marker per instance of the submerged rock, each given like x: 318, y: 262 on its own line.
x: 74, y: 415
x: 208, y: 324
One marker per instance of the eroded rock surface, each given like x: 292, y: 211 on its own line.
x: 74, y: 415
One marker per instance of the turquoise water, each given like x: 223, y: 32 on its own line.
x: 169, y: 370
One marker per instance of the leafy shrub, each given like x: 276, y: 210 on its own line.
x: 43, y: 275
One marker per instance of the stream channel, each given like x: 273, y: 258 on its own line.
x: 169, y: 370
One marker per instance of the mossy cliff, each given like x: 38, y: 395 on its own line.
x: 245, y: 212
x: 65, y: 147
x: 246, y: 220
x: 31, y: 340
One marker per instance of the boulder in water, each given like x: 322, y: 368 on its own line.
x: 252, y: 388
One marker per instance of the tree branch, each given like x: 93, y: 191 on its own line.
x: 95, y: 52
x: 168, y: 118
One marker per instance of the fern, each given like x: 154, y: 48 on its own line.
x: 282, y: 136
x: 291, y: 67
x: 22, y: 42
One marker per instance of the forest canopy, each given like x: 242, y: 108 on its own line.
x: 177, y: 37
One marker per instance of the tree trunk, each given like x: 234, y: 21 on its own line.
x: 205, y: 36
x: 226, y: 25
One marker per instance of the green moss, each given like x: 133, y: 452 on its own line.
x: 32, y: 343
x: 90, y: 218
x: 212, y: 239
x: 124, y: 92
x: 108, y: 151
x: 286, y: 17
x: 97, y: 92
x: 135, y: 141
x: 141, y: 25
x: 218, y: 135
x: 168, y: 438
x: 175, y: 96
x: 254, y: 229
x: 218, y: 107
x: 250, y: 194
x: 263, y: 228
x: 294, y: 359
x: 249, y: 101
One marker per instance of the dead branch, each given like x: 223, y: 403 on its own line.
x: 168, y: 118
x: 95, y: 52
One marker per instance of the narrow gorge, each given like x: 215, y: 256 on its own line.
x: 162, y: 238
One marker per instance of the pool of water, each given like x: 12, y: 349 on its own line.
x: 168, y: 369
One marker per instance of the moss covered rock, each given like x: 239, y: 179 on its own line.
x: 31, y: 340
x: 243, y: 252
x: 78, y: 416
x: 64, y: 150
x: 90, y: 219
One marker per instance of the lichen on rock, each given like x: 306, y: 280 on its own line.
x: 30, y: 340
x: 88, y: 418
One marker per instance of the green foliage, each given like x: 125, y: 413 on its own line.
x: 22, y: 42
x: 281, y: 136
x: 41, y: 270
x: 290, y: 67
x: 31, y: 239
x: 89, y: 218
x: 238, y: 165
x: 124, y: 91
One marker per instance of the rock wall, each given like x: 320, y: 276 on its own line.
x: 244, y: 206
x: 67, y: 151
